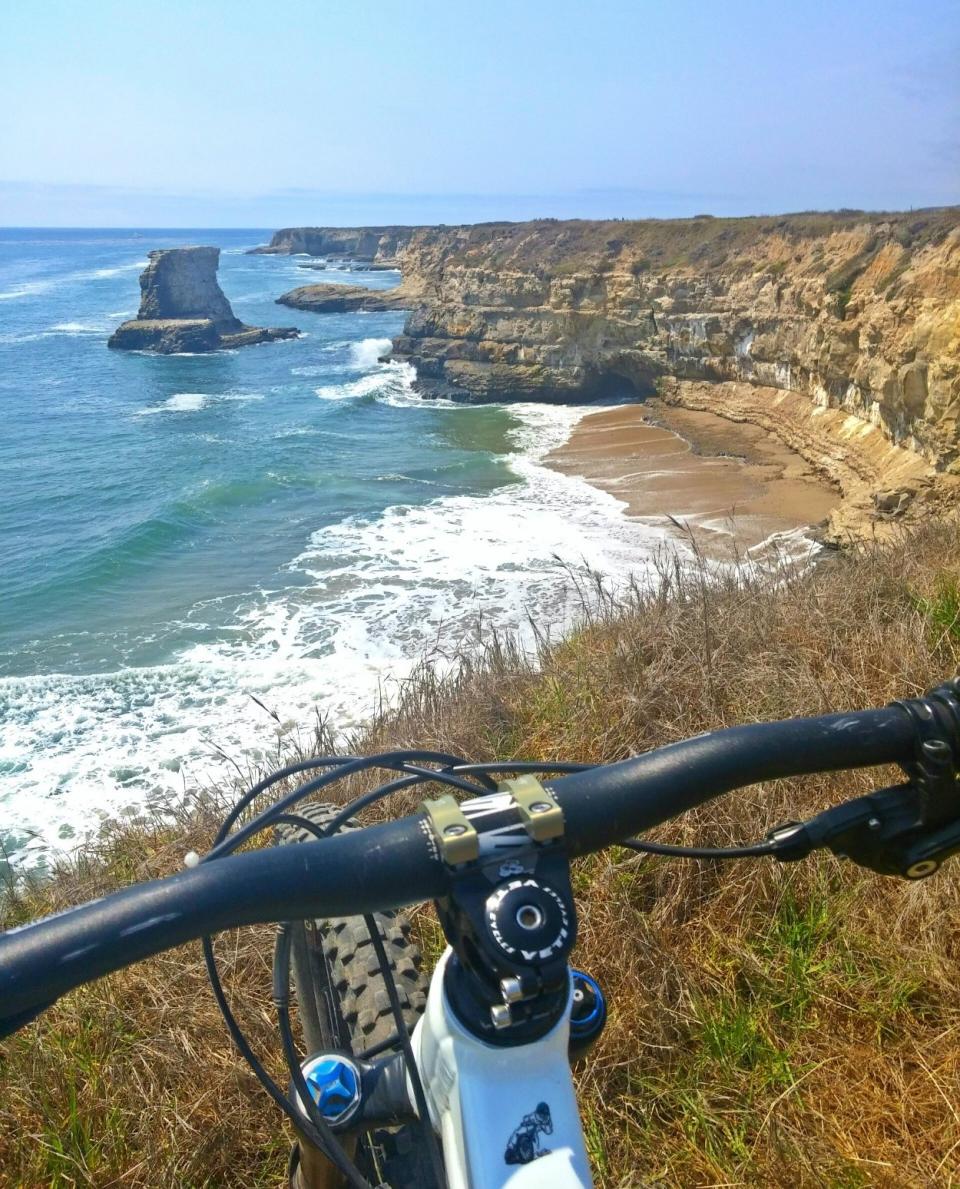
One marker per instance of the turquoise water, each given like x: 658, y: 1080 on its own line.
x: 288, y: 522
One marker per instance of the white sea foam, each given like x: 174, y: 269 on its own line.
x: 367, y: 352
x: 12, y: 337
x: 192, y: 402
x: 100, y: 273
x: 180, y: 402
x: 32, y: 288
x: 101, y: 326
x: 390, y: 383
x: 26, y: 289
x: 378, y: 593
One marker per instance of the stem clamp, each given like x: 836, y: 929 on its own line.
x: 539, y: 811
x: 458, y: 840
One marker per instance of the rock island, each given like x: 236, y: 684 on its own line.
x: 183, y: 308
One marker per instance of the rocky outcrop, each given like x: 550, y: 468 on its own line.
x: 853, y: 311
x: 345, y: 299
x: 852, y: 314
x: 378, y: 245
x: 183, y: 308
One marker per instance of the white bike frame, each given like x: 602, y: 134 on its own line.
x: 507, y: 1116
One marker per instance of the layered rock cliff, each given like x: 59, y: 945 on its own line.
x: 379, y: 245
x: 183, y: 308
x: 845, y: 311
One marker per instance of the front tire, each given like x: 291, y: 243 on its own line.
x: 343, y: 1004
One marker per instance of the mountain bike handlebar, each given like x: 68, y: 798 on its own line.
x: 396, y: 864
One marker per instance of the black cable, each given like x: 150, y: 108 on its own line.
x: 273, y: 778
x: 331, y: 761
x: 367, y: 799
x: 423, y: 1111
x: 275, y: 816
x: 699, y: 852
x: 395, y: 760
x: 322, y: 1137
x: 381, y: 1046
x: 326, y: 1143
x: 264, y: 1078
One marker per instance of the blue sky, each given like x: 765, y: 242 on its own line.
x: 323, y: 111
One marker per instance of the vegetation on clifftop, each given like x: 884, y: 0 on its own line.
x: 553, y: 247
x: 770, y: 1025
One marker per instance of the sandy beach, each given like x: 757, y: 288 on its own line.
x: 731, y: 485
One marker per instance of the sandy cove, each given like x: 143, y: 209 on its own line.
x: 731, y: 485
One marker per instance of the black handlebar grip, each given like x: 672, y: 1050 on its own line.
x: 387, y: 866
x: 603, y: 805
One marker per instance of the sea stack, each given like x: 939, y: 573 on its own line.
x: 183, y: 308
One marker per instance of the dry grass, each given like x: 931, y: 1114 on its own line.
x: 554, y: 247
x: 795, y: 1025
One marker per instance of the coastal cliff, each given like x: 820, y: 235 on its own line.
x: 183, y: 308
x: 378, y: 245
x: 854, y: 313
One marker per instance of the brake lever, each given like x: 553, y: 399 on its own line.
x: 867, y: 830
x: 908, y: 830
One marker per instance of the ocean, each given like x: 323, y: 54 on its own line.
x: 187, y: 540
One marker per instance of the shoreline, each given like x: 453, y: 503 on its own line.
x: 731, y: 486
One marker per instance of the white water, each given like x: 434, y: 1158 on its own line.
x: 378, y: 594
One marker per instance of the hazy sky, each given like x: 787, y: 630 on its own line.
x: 246, y: 113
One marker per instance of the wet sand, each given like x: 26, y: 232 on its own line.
x: 732, y: 486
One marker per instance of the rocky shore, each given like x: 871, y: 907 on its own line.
x: 183, y: 308
x: 840, y: 332
x: 345, y: 299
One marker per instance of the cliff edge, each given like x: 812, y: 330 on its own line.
x: 183, y: 308
x: 845, y: 313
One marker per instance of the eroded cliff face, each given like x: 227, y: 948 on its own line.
x: 839, y: 331
x: 859, y: 313
x: 182, y: 283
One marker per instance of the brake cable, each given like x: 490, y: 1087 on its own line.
x: 323, y: 1139
x: 391, y: 760
x: 767, y: 847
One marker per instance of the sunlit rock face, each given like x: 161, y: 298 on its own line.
x: 182, y: 283
x: 378, y: 245
x: 839, y: 331
x: 183, y: 308
x: 854, y: 311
